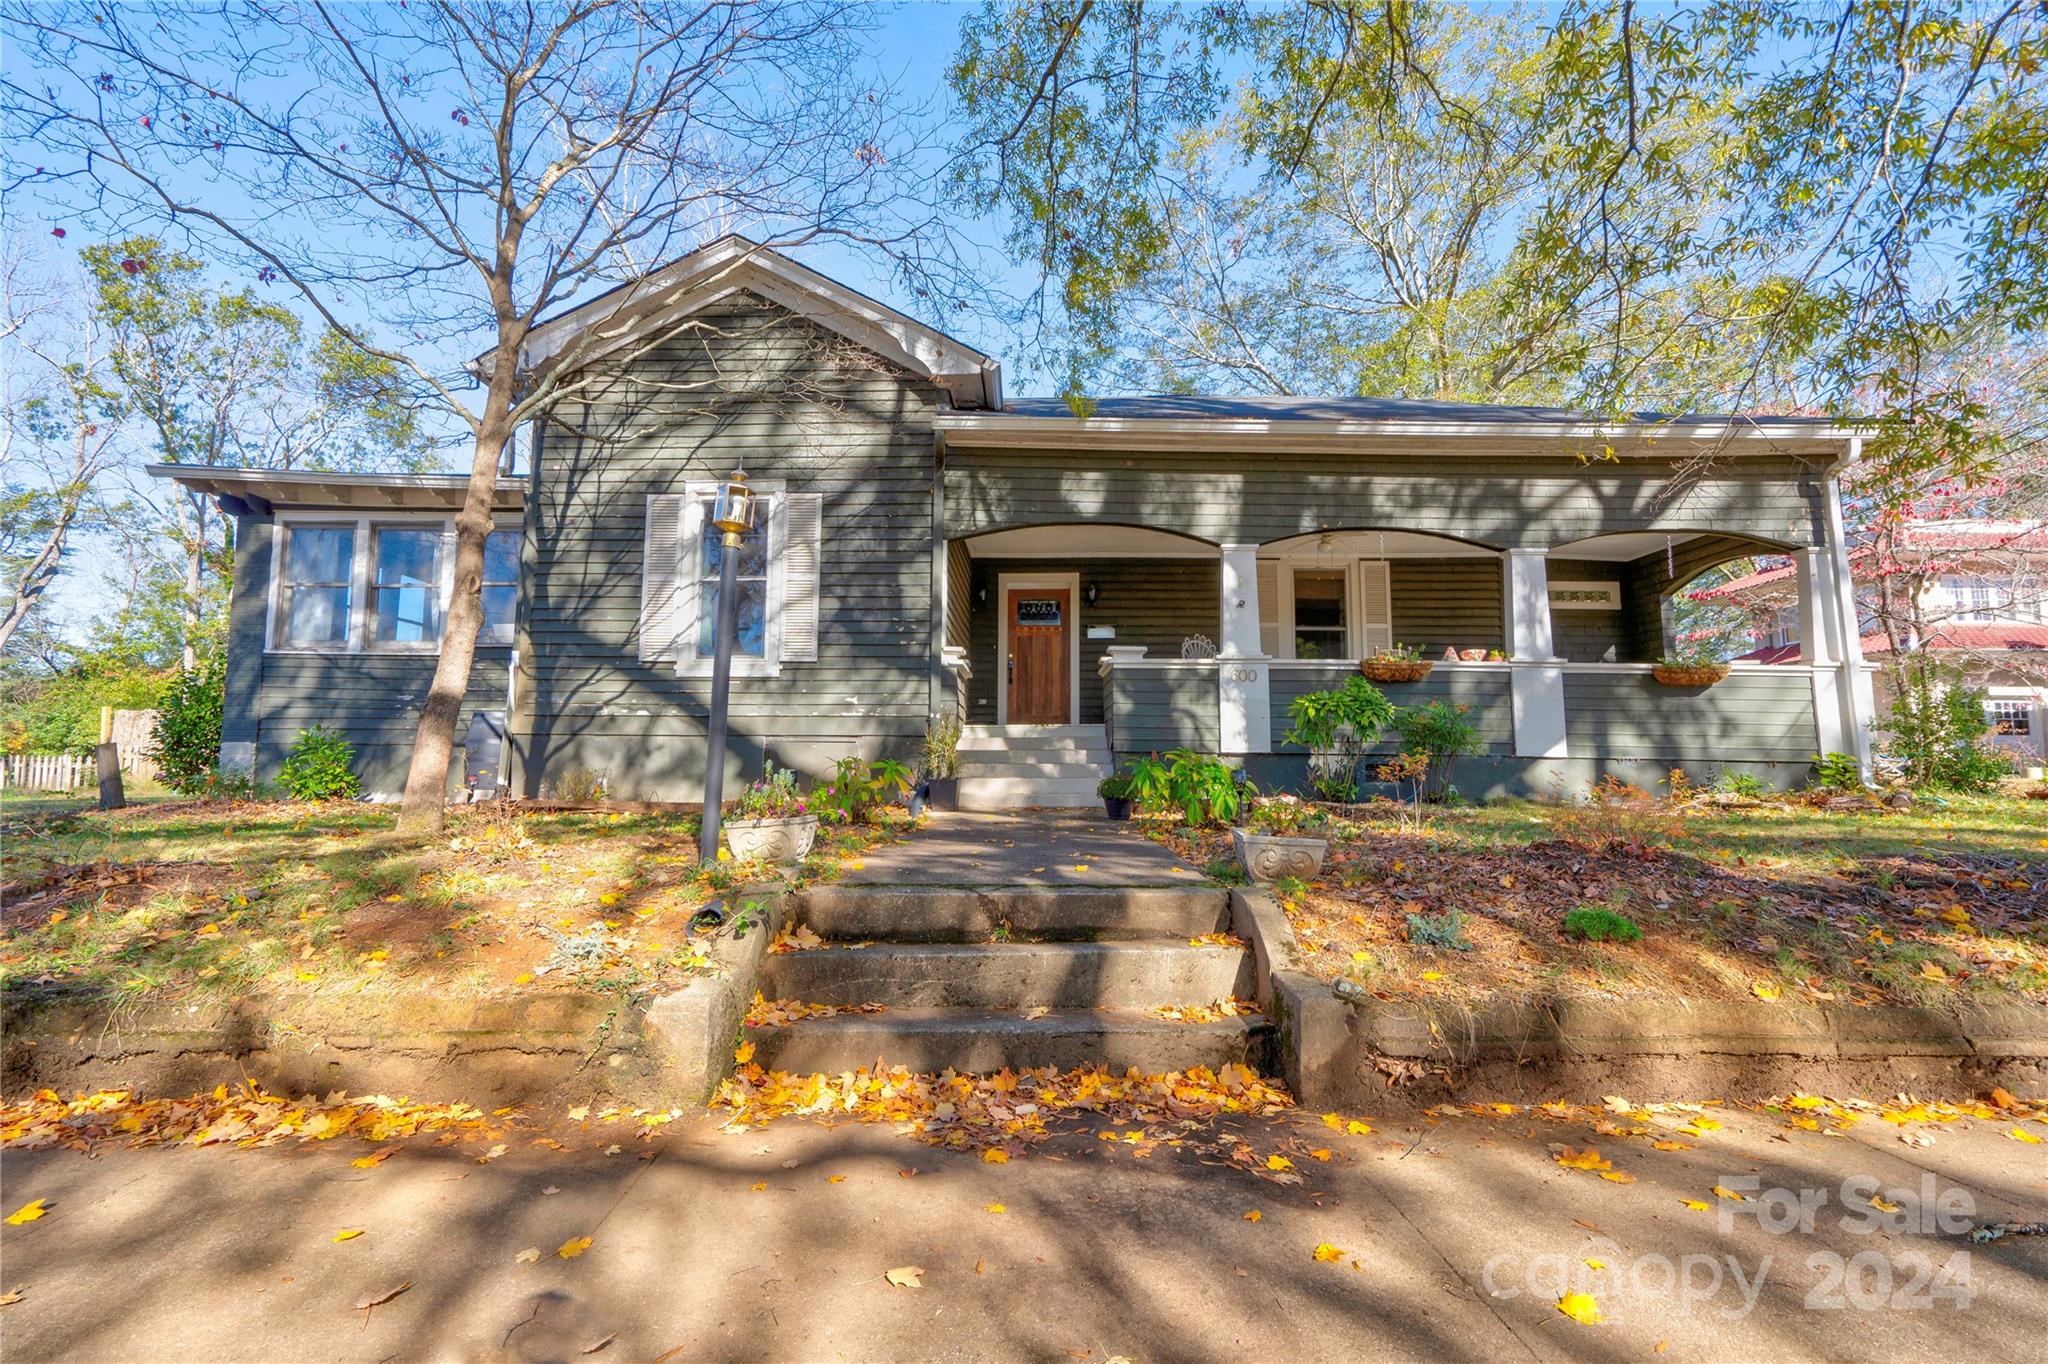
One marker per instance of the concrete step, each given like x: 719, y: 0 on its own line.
x: 979, y: 1041
x: 1026, y: 764
x: 1021, y: 793
x: 863, y: 913
x: 1010, y: 739
x: 1054, y: 975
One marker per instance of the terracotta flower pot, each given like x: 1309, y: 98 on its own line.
x: 771, y: 840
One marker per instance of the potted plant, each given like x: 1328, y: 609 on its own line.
x: 1115, y: 791
x: 1281, y: 837
x: 938, y: 779
x: 1396, y: 663
x: 1689, y: 669
x: 771, y: 821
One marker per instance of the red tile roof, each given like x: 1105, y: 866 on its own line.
x: 1969, y: 638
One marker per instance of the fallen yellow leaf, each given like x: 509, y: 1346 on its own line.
x: 1588, y: 1159
x: 573, y: 1247
x: 1279, y: 1163
x: 28, y: 1212
x: 1729, y: 1194
x: 1695, y: 1204
x: 1581, y: 1308
x: 1328, y: 1253
x: 1764, y: 990
x: 994, y: 1157
x: 1254, y: 1215
x: 757, y: 1188
x: 2021, y: 1134
x: 348, y: 1233
x: 994, y: 1207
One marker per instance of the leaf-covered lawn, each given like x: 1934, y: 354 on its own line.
x: 222, y: 898
x: 1766, y: 900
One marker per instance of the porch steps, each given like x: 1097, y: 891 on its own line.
x: 1011, y: 767
x: 977, y: 980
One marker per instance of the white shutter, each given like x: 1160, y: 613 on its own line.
x: 1269, y: 607
x: 1375, y: 606
x: 661, y: 592
x: 802, y: 516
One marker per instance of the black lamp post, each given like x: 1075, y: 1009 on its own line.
x: 732, y: 516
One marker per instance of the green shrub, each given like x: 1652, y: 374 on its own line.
x: 321, y: 766
x: 1746, y: 784
x: 1441, y: 734
x: 1445, y: 930
x: 1285, y: 817
x: 1938, y: 726
x: 1337, y: 727
x: 1115, y: 786
x: 1838, y: 771
x: 1592, y: 923
x: 187, y: 745
x: 858, y: 788
x: 1204, y: 789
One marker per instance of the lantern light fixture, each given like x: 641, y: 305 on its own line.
x: 736, y: 507
x: 1090, y: 593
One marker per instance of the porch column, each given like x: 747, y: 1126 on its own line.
x: 1243, y: 683
x: 1857, y: 697
x: 1819, y: 646
x: 1536, y: 680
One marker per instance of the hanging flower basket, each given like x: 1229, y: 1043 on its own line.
x: 1689, y: 675
x: 1395, y: 669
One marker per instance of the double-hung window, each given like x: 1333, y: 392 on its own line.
x: 406, y: 590
x: 750, y: 582
x: 501, y: 587
x: 383, y: 583
x: 315, y: 593
x: 775, y: 577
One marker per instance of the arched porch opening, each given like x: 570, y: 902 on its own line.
x: 1633, y: 597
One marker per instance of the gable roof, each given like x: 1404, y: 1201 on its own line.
x: 733, y: 264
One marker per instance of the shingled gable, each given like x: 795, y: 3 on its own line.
x: 733, y: 264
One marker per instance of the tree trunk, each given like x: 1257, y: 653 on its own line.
x: 425, y: 805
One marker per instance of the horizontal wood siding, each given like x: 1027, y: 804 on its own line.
x: 1748, y: 717
x: 1156, y: 603
x: 1447, y: 602
x: 750, y: 383
x: 1504, y: 501
x: 373, y: 699
x: 1157, y: 709
x: 1586, y: 636
x: 1485, y: 690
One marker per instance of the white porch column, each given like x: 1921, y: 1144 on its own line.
x: 1855, y: 694
x: 1536, y: 680
x: 1243, y: 682
x: 1820, y: 628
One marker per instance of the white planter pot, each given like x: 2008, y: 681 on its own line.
x: 1270, y: 857
x: 771, y: 840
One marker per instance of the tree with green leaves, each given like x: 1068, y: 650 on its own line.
x: 1742, y: 204
x: 219, y: 376
x: 458, y: 171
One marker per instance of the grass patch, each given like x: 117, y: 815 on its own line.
x: 217, y: 899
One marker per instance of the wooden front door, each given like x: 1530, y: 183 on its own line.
x: 1038, y: 620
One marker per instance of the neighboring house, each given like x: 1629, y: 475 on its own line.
x: 1168, y: 572
x: 1975, y: 592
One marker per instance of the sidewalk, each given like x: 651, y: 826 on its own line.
x: 774, y: 1244
x: 1024, y: 848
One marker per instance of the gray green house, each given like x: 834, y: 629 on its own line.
x: 1167, y: 572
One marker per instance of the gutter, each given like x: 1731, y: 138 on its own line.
x: 997, y: 428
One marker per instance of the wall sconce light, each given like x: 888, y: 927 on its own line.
x: 981, y: 594
x: 1089, y: 593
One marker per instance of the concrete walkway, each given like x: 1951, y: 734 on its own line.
x: 1456, y: 1242
x: 1024, y: 848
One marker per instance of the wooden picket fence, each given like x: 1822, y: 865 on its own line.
x: 47, y: 771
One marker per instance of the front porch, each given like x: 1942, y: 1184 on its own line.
x: 1168, y: 641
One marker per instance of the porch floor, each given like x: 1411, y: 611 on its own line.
x: 1024, y: 848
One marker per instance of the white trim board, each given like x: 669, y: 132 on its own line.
x: 1005, y: 583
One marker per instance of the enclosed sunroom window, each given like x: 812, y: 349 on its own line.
x: 314, y: 595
